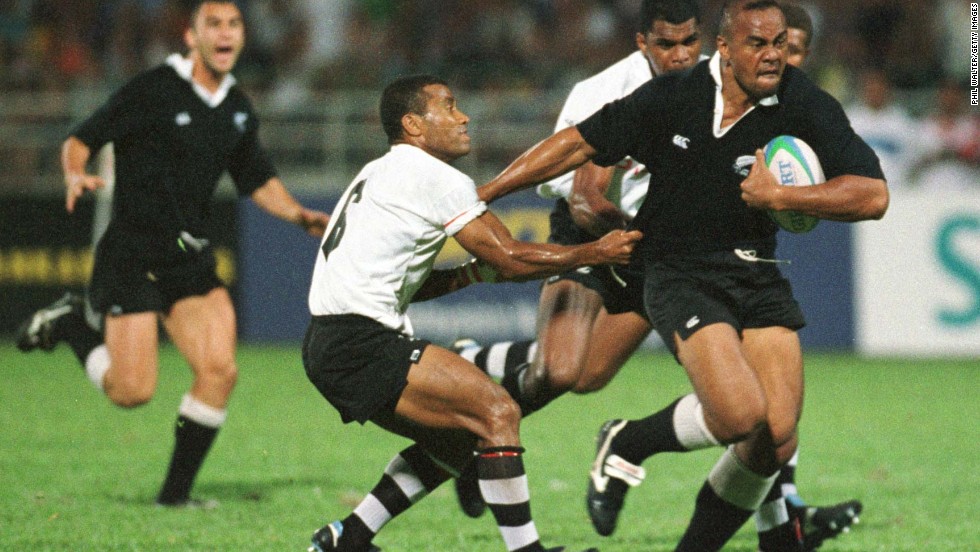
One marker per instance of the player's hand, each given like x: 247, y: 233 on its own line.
x: 617, y: 246
x: 77, y: 184
x: 596, y: 214
x: 760, y: 189
x: 314, y: 222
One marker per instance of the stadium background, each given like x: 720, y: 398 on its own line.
x: 907, y: 285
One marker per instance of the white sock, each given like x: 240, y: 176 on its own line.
x: 201, y: 413
x: 738, y: 485
x: 497, y: 359
x: 689, y: 425
x: 96, y: 365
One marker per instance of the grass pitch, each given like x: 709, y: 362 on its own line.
x: 77, y: 473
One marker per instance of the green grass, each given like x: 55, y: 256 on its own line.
x: 77, y: 473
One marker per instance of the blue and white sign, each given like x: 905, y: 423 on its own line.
x: 918, y: 276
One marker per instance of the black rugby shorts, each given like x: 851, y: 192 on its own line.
x: 132, y: 274
x: 358, y: 364
x: 685, y: 294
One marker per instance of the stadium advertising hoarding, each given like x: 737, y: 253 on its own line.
x: 44, y: 252
x: 918, y: 274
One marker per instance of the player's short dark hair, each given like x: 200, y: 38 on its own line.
x: 192, y: 7
x: 731, y: 7
x: 674, y: 12
x: 798, y: 18
x: 401, y: 96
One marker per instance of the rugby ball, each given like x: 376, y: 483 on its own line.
x: 793, y: 163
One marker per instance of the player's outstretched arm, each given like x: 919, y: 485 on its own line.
x: 274, y: 199
x: 846, y: 198
x: 561, y: 152
x: 499, y: 257
x: 74, y: 159
x: 487, y: 239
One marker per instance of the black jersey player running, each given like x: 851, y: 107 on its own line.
x: 588, y: 323
x: 728, y: 316
x: 176, y: 129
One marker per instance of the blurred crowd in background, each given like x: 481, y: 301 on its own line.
x: 902, y: 66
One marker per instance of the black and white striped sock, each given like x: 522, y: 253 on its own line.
x: 410, y: 476
x: 497, y: 359
x: 503, y: 484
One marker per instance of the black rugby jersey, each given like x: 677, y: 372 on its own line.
x: 171, y: 148
x: 694, y: 202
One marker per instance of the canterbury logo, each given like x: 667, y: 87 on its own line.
x: 694, y: 321
x: 183, y: 118
x: 681, y: 141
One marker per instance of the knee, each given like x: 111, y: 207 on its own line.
x: 592, y: 381
x: 130, y: 392
x: 783, y: 431
x: 551, y: 376
x: 219, y: 374
x: 501, y: 417
x: 738, y: 421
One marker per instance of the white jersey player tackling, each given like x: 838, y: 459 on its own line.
x: 359, y: 350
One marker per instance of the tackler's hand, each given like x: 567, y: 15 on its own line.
x: 617, y: 246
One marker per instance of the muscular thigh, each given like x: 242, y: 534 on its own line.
x: 775, y: 355
x: 132, y: 342
x: 720, y: 374
x: 615, y: 337
x: 566, y: 313
x: 202, y: 327
x: 445, y: 391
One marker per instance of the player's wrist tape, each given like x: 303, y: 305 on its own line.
x: 477, y: 271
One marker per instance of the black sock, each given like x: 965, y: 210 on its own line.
x: 641, y: 439
x: 73, y: 329
x: 713, y: 523
x: 193, y: 440
x: 512, y: 382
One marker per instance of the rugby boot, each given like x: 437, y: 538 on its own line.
x: 38, y: 331
x: 327, y: 538
x: 609, y: 479
x: 821, y: 523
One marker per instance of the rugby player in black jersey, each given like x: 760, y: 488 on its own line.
x: 726, y: 313
x: 176, y: 129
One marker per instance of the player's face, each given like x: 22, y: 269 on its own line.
x: 217, y: 34
x: 756, y: 51
x: 670, y: 47
x: 443, y: 127
x: 796, y: 50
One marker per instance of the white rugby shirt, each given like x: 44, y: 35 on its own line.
x: 391, y: 222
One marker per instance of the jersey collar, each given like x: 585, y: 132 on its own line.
x: 185, y: 68
x: 714, y: 64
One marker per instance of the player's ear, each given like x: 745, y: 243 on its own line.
x: 412, y: 124
x: 641, y: 42
x: 722, y: 46
x: 189, y: 39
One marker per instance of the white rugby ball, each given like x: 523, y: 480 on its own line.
x: 793, y: 163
